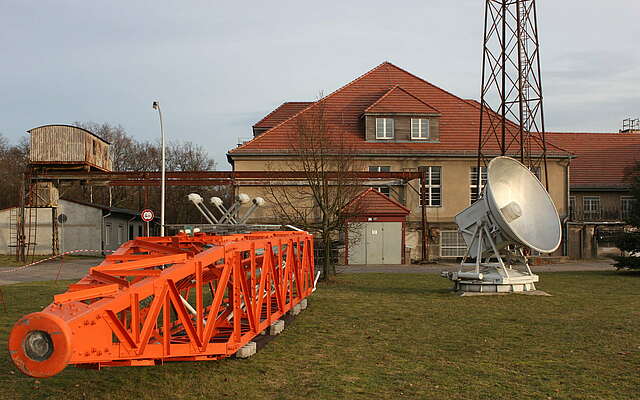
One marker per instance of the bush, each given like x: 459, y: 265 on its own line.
x: 627, y: 262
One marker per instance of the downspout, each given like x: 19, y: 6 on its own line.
x: 102, y: 231
x: 565, y: 225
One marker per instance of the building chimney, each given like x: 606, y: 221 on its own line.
x: 630, y: 125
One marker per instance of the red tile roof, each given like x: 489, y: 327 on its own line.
x: 459, y: 121
x: 371, y: 202
x: 282, y: 113
x: 603, y: 160
x: 397, y: 99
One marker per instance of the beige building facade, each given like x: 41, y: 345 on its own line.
x: 395, y: 122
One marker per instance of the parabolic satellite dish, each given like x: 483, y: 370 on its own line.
x: 514, y: 212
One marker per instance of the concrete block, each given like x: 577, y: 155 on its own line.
x: 296, y: 310
x: 276, y: 327
x: 247, y: 350
x: 303, y: 304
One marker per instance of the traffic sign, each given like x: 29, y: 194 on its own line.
x: 147, y: 215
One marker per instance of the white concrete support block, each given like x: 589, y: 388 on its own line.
x: 276, y: 327
x: 247, y: 350
x: 303, y: 304
x: 296, y: 309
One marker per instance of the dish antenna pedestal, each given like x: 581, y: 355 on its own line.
x: 514, y: 212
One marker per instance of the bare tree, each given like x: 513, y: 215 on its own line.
x: 128, y: 154
x: 323, y: 154
x: 13, y: 164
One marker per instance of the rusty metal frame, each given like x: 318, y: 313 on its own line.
x: 219, y: 178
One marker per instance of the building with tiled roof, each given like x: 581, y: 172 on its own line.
x: 600, y: 173
x: 392, y: 120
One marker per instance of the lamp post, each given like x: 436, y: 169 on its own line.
x: 156, y: 106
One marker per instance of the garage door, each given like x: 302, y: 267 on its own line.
x: 376, y: 243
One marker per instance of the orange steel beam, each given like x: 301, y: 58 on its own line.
x: 156, y: 300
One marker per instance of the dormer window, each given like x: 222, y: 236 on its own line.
x: 419, y: 128
x: 384, y: 128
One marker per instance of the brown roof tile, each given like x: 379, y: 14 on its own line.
x: 283, y: 112
x: 399, y: 100
x: 459, y: 120
x: 603, y: 160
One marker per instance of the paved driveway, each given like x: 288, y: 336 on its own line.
x: 75, y: 268
x: 581, y: 265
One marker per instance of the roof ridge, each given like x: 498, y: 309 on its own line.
x: 256, y: 139
x: 376, y: 193
x: 405, y: 91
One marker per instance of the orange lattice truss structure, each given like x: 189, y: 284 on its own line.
x: 177, y: 298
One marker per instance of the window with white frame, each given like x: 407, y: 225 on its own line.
x: 120, y: 234
x: 384, y: 128
x: 386, y: 190
x: 452, y: 244
x: 473, y: 182
x: 591, y: 208
x: 572, y: 208
x: 626, y: 205
x: 433, y: 186
x: 419, y: 128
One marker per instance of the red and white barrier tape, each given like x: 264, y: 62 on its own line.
x: 52, y: 258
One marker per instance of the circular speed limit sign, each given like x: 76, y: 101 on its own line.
x: 146, y: 215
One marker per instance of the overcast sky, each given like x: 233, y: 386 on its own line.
x: 217, y: 67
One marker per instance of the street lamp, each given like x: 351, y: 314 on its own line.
x: 156, y: 106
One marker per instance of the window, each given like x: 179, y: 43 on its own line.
x: 452, y: 244
x: 626, y: 205
x: 384, y: 128
x: 591, y: 207
x: 473, y: 182
x: 386, y: 190
x: 572, y: 208
x: 419, y: 128
x: 107, y: 234
x: 536, y: 172
x: 433, y: 187
x: 120, y: 234
x: 381, y: 168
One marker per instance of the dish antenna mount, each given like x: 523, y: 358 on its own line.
x: 514, y: 213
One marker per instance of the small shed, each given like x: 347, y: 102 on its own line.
x: 375, y: 231
x: 68, y: 147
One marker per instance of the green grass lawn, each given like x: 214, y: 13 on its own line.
x: 390, y: 336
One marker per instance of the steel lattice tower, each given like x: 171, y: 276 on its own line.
x: 511, y: 111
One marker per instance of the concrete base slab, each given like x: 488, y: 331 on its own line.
x: 296, y: 309
x: 247, y: 350
x: 276, y: 327
x: 303, y: 304
x: 529, y: 293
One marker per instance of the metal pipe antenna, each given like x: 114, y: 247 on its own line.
x: 197, y: 201
x: 257, y: 202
